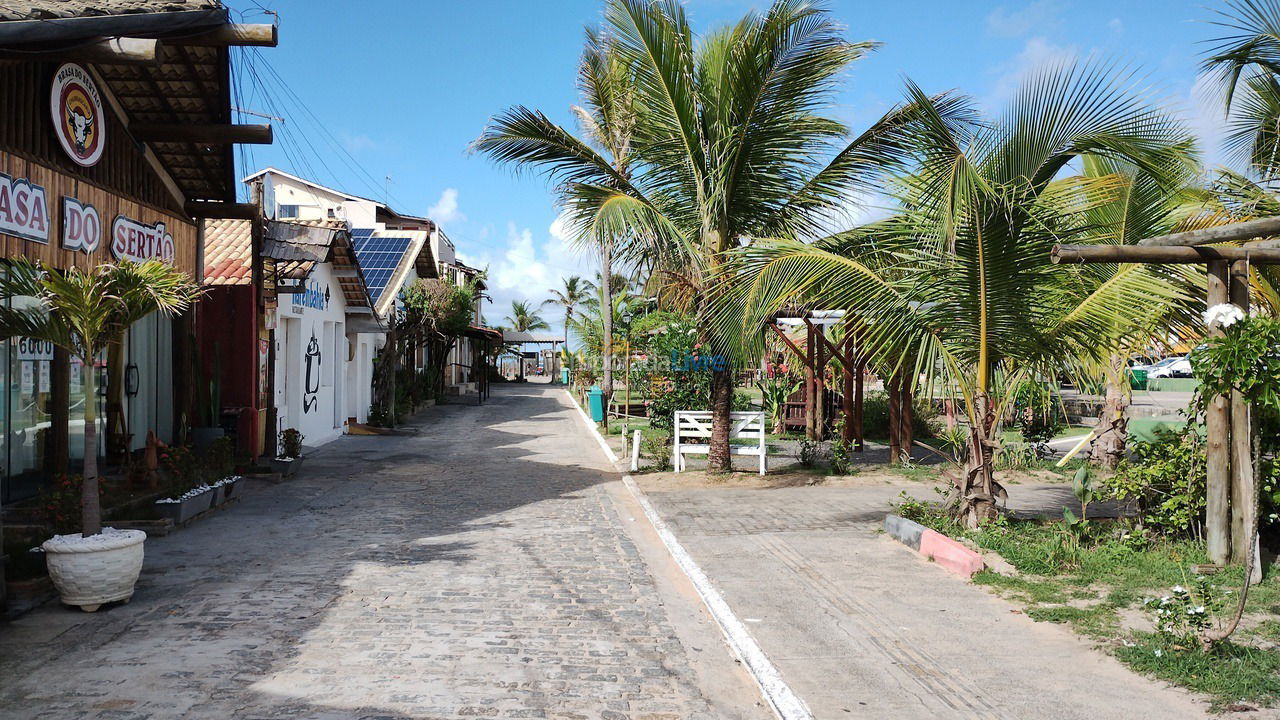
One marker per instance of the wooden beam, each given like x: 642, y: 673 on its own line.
x: 804, y: 361
x: 111, y: 51
x: 211, y: 134
x: 1247, y: 230
x: 231, y: 211
x: 1186, y: 255
x: 237, y: 34
x: 1244, y: 504
x: 1217, y: 423
x: 161, y: 171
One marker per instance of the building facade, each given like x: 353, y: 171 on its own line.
x: 99, y: 164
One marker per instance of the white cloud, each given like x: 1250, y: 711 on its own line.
x: 1116, y: 25
x: 1038, y: 17
x: 527, y: 268
x: 1208, y: 121
x: 446, y: 208
x: 1036, y: 54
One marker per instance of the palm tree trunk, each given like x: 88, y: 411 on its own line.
x: 718, y: 458
x: 1113, y: 423
x: 90, y: 506
x: 606, y: 316
x: 977, y: 489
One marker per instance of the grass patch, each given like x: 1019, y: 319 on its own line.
x: 1095, y: 621
x: 1084, y: 578
x: 1038, y: 591
x: 1229, y: 673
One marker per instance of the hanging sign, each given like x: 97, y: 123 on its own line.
x: 28, y: 376
x: 81, y: 226
x: 24, y: 211
x: 44, y: 375
x: 131, y: 240
x: 78, y: 118
x: 74, y: 375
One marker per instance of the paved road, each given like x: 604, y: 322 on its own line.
x: 488, y: 566
x: 859, y: 626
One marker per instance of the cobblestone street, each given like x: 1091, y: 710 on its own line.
x: 487, y: 565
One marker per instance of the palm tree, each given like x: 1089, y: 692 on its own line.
x: 576, y: 291
x: 607, y: 118
x: 958, y: 287
x: 84, y: 312
x: 729, y: 143
x: 1246, y: 66
x: 525, y: 319
x: 1142, y: 206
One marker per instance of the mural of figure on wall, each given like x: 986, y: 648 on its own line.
x: 312, y: 386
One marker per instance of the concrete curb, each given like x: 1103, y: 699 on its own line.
x: 781, y: 698
x: 935, y: 546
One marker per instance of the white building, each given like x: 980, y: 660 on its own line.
x: 394, y: 250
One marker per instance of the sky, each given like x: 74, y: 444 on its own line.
x: 382, y: 98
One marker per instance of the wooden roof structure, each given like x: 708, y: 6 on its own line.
x: 164, y: 66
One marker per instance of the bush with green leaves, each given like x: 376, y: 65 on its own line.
x: 1166, y: 477
x: 875, y: 417
x: 1037, y: 414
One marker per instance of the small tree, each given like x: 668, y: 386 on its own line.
x: 84, y: 312
x: 437, y: 312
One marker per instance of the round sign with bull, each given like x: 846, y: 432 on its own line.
x: 78, y: 117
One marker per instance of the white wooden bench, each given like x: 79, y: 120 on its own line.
x: 696, y: 426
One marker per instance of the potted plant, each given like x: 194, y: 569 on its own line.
x: 189, y: 494
x: 84, y: 312
x: 290, y: 457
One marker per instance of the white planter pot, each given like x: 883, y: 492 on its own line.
x: 95, y: 570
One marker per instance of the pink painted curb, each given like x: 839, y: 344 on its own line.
x: 950, y: 554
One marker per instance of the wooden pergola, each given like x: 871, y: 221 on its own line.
x: 817, y: 353
x: 1231, y: 502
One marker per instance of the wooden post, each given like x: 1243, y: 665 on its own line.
x: 1243, y: 506
x: 846, y: 432
x: 895, y: 419
x: 810, y: 424
x: 859, y: 380
x: 820, y: 380
x: 1217, y: 453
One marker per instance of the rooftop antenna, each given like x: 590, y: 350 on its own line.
x: 386, y: 190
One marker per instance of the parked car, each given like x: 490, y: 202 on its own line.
x: 1175, y: 366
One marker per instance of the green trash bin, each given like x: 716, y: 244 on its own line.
x: 595, y: 403
x: 564, y: 376
x: 1137, y: 379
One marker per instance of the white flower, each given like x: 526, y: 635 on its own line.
x: 1178, y: 589
x: 1159, y: 653
x: 1223, y: 315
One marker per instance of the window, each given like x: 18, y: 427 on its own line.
x: 287, y: 211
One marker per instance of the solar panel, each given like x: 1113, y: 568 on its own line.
x: 378, y: 258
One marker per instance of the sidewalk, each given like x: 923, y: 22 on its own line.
x: 860, y: 626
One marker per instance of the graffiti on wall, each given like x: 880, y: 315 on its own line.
x: 312, y: 359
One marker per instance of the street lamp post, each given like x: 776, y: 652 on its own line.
x: 627, y: 317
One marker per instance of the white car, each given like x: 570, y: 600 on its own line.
x: 1171, y: 367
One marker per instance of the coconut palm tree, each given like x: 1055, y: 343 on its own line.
x: 85, y: 312
x: 575, y: 292
x: 1245, y: 64
x: 525, y: 319
x: 732, y: 139
x: 602, y: 156
x: 957, y: 287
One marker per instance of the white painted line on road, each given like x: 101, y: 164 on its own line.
x: 785, y: 703
x: 613, y: 458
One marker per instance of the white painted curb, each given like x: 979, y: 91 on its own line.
x: 785, y: 703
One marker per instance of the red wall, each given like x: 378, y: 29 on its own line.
x: 228, y: 326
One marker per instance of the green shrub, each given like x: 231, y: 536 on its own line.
x: 1037, y: 414
x: 875, y: 417
x: 1166, y: 477
x: 656, y: 449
